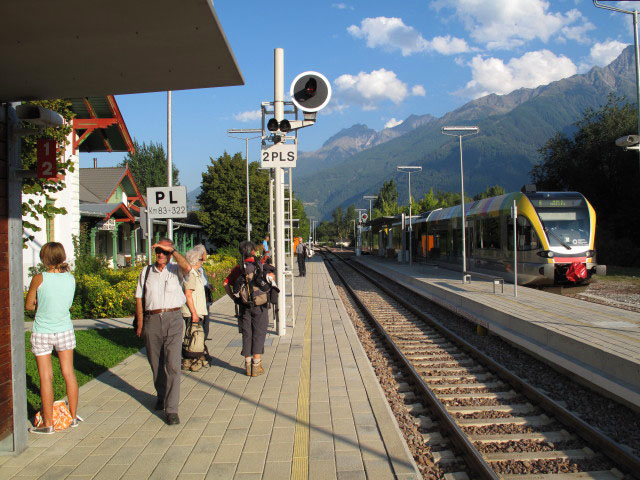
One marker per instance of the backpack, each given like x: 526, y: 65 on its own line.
x: 253, y: 286
x: 193, y: 343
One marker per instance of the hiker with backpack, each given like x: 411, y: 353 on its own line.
x: 301, y: 252
x: 194, y: 312
x: 247, y: 286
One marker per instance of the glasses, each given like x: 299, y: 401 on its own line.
x: 160, y: 251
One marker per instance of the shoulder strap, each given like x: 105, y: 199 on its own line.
x: 144, y: 287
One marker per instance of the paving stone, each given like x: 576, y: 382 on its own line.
x: 280, y: 452
x: 111, y: 472
x: 144, y: 465
x: 256, y: 443
x: 221, y: 471
x: 251, y: 462
x: 322, y: 469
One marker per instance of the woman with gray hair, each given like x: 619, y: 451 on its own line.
x: 207, y: 288
x: 196, y: 307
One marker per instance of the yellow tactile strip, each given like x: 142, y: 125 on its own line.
x: 300, y: 463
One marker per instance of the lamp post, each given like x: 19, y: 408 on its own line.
x: 246, y: 141
x: 461, y: 132
x: 410, y: 170
x: 359, y: 240
x: 637, y: 50
x: 311, y: 219
x: 314, y: 232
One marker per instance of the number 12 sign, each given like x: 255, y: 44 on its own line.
x: 47, y: 166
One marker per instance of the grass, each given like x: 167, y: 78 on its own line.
x: 96, y: 352
x: 622, y: 274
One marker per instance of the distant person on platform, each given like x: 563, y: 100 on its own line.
x: 265, y: 246
x: 160, y: 323
x: 301, y: 252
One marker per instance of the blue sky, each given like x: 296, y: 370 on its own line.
x: 385, y: 60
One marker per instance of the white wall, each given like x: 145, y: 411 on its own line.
x: 64, y: 226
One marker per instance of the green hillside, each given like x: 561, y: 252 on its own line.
x: 512, y: 129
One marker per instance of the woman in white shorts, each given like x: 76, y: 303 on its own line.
x: 51, y: 295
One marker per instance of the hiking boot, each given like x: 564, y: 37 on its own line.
x: 196, y: 365
x: 186, y: 363
x: 42, y: 430
x: 248, y: 367
x: 256, y: 369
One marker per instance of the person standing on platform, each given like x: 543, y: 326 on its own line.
x: 160, y: 323
x: 207, y: 288
x: 254, y: 318
x: 265, y: 246
x: 51, y: 295
x: 301, y: 252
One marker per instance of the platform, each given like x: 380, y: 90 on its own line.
x: 317, y: 413
x: 598, y: 344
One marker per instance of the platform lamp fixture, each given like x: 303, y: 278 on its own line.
x: 410, y: 170
x: 246, y: 142
x: 637, y: 52
x: 460, y: 132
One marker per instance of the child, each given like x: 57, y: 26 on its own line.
x: 54, y: 290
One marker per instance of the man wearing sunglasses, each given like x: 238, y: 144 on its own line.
x: 160, y: 323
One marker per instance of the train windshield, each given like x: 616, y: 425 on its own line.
x: 565, y: 221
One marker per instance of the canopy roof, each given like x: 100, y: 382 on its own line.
x: 99, y: 125
x: 77, y: 48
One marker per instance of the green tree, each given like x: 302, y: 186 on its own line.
x: 589, y: 162
x: 222, y: 201
x: 41, y: 191
x: 148, y: 165
x: 493, y: 191
x: 387, y: 201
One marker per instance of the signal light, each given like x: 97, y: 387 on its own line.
x: 272, y: 125
x: 310, y: 91
x: 285, y: 126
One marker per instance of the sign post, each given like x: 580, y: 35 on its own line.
x: 167, y: 203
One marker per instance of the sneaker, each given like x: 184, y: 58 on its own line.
x: 248, y: 367
x: 42, y: 430
x: 76, y: 421
x: 173, y: 419
x: 256, y: 369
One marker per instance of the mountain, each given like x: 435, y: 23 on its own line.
x: 192, y: 199
x: 349, y: 141
x: 513, y: 128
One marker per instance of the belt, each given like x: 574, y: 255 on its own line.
x: 161, y: 310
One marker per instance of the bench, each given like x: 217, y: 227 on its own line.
x: 466, y: 278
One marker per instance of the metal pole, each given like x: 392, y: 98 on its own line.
x: 410, y: 225
x: 149, y: 237
x: 169, y: 162
x: 464, y: 220
x: 637, y: 49
x: 514, y: 214
x: 271, y: 219
x: 246, y: 141
x: 278, y: 106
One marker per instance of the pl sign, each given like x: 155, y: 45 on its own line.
x: 167, y: 202
x: 279, y: 155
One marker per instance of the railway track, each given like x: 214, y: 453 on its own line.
x: 491, y: 420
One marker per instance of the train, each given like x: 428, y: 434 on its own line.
x: 555, y: 236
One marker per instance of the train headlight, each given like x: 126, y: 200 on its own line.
x: 590, y: 253
x: 546, y: 254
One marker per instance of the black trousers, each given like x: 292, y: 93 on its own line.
x: 254, y: 323
x: 302, y: 266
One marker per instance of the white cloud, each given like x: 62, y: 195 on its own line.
x: 392, y: 123
x: 507, y: 24
x: 341, y: 6
x: 368, y: 89
x: 392, y: 34
x: 604, y: 53
x: 248, y: 115
x: 492, y: 75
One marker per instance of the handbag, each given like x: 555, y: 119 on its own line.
x: 61, y: 417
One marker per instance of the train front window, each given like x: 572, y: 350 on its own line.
x: 566, y: 227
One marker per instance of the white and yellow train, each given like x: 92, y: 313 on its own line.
x: 555, y: 237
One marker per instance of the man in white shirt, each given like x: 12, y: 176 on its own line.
x: 160, y: 323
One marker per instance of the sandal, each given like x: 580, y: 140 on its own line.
x: 42, y: 430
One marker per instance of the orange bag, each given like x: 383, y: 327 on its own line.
x: 61, y: 416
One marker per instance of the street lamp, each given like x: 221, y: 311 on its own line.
x: 637, y: 49
x: 410, y: 170
x: 246, y: 141
x: 461, y: 132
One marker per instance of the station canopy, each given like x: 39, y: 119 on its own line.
x: 99, y: 126
x: 76, y: 48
